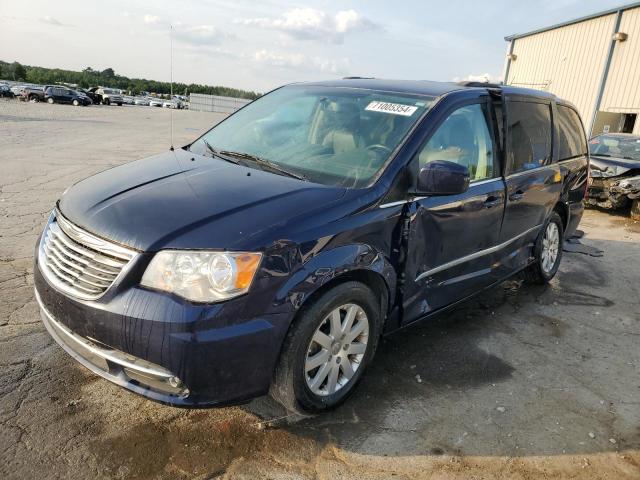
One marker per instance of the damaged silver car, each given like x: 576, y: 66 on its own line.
x: 615, y: 172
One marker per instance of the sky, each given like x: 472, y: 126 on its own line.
x: 263, y: 44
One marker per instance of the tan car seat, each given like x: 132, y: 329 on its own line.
x: 343, y: 121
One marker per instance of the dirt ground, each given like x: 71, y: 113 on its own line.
x: 519, y: 383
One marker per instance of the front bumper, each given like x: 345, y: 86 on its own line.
x: 614, y: 192
x: 125, y: 370
x: 165, y: 348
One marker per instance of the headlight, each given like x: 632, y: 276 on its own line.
x: 202, y: 276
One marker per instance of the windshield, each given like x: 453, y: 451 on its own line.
x: 616, y: 146
x: 334, y: 136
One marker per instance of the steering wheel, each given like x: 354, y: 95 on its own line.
x: 378, y: 146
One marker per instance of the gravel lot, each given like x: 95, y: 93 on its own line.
x: 520, y: 383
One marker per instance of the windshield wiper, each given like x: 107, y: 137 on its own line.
x: 263, y: 161
x: 216, y: 153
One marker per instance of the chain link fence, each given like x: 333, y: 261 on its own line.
x: 214, y: 103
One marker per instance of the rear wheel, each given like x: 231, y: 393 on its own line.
x: 34, y: 99
x: 547, y: 252
x: 50, y: 100
x: 327, y: 349
x: 106, y: 101
x: 76, y: 103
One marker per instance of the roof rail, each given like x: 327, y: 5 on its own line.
x: 480, y: 84
x: 358, y: 78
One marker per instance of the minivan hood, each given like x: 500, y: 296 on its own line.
x: 182, y: 200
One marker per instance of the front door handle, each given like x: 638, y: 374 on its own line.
x: 515, y: 196
x: 492, y: 201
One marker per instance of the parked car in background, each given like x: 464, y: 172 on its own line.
x: 17, y: 89
x: 107, y: 96
x: 56, y: 94
x: 5, y: 91
x: 615, y: 172
x: 94, y: 95
x: 155, y: 102
x: 127, y: 100
x: 141, y: 101
x: 271, y: 253
x: 33, y: 94
x: 94, y: 98
x: 110, y: 96
x: 84, y: 95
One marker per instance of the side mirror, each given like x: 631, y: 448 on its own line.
x: 441, y: 177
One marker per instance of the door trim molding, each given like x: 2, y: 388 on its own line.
x: 473, y: 256
x: 416, y: 199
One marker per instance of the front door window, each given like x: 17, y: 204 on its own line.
x: 463, y: 138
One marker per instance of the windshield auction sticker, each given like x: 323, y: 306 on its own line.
x: 393, y: 108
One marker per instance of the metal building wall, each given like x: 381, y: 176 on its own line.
x: 567, y: 61
x: 622, y: 89
x: 215, y: 103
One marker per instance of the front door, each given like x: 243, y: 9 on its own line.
x: 451, y: 237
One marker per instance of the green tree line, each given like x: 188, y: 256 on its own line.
x: 108, y: 78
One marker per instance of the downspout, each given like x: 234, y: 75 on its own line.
x: 507, y: 63
x: 605, y: 73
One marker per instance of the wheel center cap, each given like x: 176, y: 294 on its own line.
x: 335, y: 348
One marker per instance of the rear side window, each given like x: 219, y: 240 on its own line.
x: 571, y: 140
x: 529, y: 135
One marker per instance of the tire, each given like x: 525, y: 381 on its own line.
x: 106, y: 101
x: 292, y: 384
x: 34, y: 99
x: 50, y: 101
x: 119, y: 104
x: 545, y: 267
x: 76, y: 103
x: 635, y: 209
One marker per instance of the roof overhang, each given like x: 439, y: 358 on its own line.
x: 574, y: 21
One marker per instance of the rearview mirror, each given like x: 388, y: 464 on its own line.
x: 441, y: 177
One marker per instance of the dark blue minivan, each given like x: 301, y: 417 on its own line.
x: 270, y: 255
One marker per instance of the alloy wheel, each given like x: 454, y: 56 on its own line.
x: 336, y: 349
x: 550, y: 247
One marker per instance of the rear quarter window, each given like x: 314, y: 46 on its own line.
x: 529, y: 135
x: 571, y: 139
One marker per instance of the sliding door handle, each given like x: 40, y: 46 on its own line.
x: 515, y: 196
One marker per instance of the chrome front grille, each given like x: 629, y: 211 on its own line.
x: 77, y: 262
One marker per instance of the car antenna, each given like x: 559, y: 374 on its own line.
x: 171, y: 81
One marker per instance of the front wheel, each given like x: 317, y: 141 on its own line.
x: 106, y: 101
x: 76, y: 103
x: 547, y: 252
x: 50, y: 101
x: 327, y: 349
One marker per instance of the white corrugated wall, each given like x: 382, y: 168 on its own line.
x: 622, y: 90
x: 567, y: 61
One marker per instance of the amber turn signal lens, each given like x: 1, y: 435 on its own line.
x: 246, y: 265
